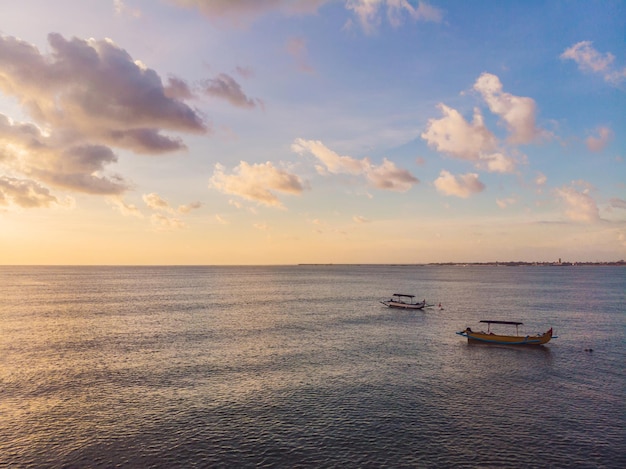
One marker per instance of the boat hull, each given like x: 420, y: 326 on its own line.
x: 487, y: 338
x: 397, y: 305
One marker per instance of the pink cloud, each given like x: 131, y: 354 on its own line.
x: 460, y: 186
x: 256, y: 182
x: 597, y: 144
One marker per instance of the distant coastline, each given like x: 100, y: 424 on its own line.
x: 620, y: 263
x: 541, y: 264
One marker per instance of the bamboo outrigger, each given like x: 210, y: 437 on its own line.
x: 491, y: 338
x: 403, y: 301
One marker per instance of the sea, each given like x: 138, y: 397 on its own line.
x: 301, y: 366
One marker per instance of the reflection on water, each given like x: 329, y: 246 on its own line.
x: 301, y: 366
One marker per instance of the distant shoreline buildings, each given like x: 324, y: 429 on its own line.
x: 559, y: 263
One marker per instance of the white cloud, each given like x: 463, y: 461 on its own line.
x: 461, y: 186
x: 332, y: 162
x: 497, y: 163
x: 189, y: 207
x: 453, y: 135
x: 386, y: 176
x: 155, y: 202
x: 164, y: 223
x: 472, y: 141
x: 579, y: 205
x: 256, y: 182
x: 122, y: 9
x: 360, y: 219
x: 368, y: 12
x: 517, y: 112
x: 503, y: 203
x: 125, y: 209
x: 590, y: 60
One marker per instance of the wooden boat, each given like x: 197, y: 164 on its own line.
x: 403, y: 301
x: 491, y: 338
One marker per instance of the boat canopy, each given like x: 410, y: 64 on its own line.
x: 402, y: 294
x: 504, y: 322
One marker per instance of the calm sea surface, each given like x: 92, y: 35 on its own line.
x: 301, y: 366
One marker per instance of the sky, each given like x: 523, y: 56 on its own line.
x: 265, y: 132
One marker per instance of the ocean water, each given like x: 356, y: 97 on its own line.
x: 301, y: 366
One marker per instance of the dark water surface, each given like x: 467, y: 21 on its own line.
x: 301, y: 366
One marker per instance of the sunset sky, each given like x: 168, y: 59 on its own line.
x: 311, y: 131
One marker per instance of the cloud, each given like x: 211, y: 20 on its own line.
x: 125, y: 208
x: 94, y: 90
x: 225, y: 87
x: 597, y: 144
x: 155, y: 202
x: 387, y: 176
x: 240, y: 12
x: 221, y: 220
x: 189, y: 207
x: 296, y: 47
x: 453, y: 135
x: 540, y: 179
x: 122, y: 9
x: 618, y: 203
x: 368, y: 12
x: 517, y: 112
x: 245, y: 72
x: 30, y: 152
x: 503, y: 203
x: 461, y: 186
x: 579, y: 205
x: 77, y: 168
x: 177, y: 88
x: 85, y: 98
x: 590, y: 60
x: 164, y: 223
x: 360, y: 219
x: 24, y: 193
x: 497, y: 163
x: 256, y: 182
x: 332, y: 162
x: 472, y: 141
